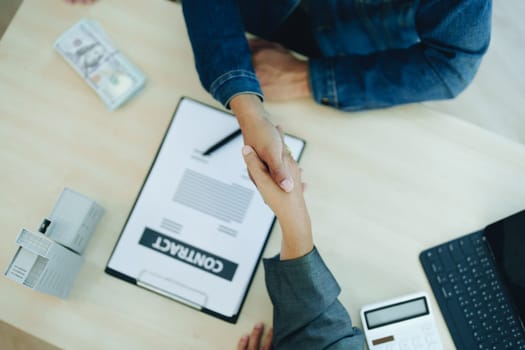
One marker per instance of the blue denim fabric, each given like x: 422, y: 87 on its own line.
x: 373, y: 53
x: 306, y: 311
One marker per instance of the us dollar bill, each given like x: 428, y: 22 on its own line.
x: 88, y: 49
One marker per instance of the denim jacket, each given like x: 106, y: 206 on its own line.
x: 374, y: 53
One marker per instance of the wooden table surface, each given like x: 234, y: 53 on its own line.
x: 382, y: 185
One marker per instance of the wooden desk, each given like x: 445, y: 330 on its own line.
x: 383, y: 185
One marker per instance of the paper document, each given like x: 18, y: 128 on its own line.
x: 199, y: 226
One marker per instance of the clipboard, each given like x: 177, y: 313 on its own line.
x: 198, y: 226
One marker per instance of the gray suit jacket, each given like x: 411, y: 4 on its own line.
x: 307, y: 313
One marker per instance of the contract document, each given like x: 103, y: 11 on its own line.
x: 198, y: 227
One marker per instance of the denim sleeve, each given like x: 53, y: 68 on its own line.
x: 454, y: 35
x: 221, y: 51
x: 307, y: 313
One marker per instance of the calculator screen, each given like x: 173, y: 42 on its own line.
x: 396, y: 312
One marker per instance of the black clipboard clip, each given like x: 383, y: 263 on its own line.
x: 172, y: 289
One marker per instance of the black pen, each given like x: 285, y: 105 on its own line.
x: 222, y: 142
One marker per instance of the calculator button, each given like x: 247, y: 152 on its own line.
x: 417, y: 342
x: 426, y: 327
x: 430, y: 340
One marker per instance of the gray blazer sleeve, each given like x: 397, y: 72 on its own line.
x: 307, y: 313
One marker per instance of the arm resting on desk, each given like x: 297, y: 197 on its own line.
x: 454, y: 37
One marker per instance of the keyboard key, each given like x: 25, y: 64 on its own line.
x: 466, y: 246
x: 455, y: 252
x: 477, y: 240
x: 446, y: 259
x: 484, y: 346
x: 498, y: 346
x: 458, y: 289
x: 470, y: 294
x: 430, y: 255
x: 441, y: 278
x: 446, y: 290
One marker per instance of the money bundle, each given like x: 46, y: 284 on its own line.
x: 88, y: 49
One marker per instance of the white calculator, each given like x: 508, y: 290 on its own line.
x: 403, y: 323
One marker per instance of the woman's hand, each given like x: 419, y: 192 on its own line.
x: 259, y: 132
x: 253, y: 341
x: 290, y: 208
x: 281, y: 75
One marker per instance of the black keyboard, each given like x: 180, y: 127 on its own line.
x: 471, y: 296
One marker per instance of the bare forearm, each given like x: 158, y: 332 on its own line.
x: 248, y: 109
x: 297, y: 239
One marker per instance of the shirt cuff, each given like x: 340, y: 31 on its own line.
x: 323, y: 82
x: 302, y: 288
x: 233, y: 83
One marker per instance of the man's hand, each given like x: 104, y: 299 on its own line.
x: 261, y: 134
x: 253, y: 341
x: 282, y: 76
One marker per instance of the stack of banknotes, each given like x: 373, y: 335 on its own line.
x: 88, y: 49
